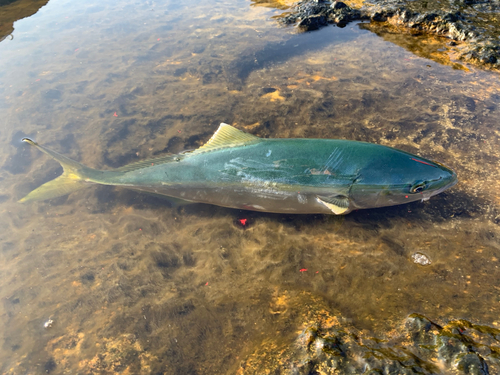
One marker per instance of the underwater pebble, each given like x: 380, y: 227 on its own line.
x: 421, y: 259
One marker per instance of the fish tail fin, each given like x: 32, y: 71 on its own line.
x: 74, y: 177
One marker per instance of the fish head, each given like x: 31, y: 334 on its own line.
x: 397, y: 177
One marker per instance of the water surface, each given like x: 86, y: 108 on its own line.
x: 133, y: 285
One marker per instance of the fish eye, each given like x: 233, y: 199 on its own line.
x: 418, y: 188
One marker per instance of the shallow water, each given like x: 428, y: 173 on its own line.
x: 134, y: 285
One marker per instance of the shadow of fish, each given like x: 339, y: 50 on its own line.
x: 239, y: 170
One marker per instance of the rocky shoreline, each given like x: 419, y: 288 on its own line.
x: 470, y: 22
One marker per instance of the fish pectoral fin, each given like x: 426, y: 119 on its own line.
x: 226, y: 137
x: 338, y: 204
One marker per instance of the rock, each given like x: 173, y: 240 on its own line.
x: 379, y: 16
x: 338, y: 5
x: 331, y: 345
x: 312, y: 14
x: 471, y: 363
x: 421, y: 259
x: 313, y: 22
x: 422, y: 331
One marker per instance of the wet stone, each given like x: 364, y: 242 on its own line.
x: 50, y: 365
x: 421, y: 259
x: 88, y: 277
x: 313, y: 22
x: 472, y: 364
x: 268, y: 90
x: 338, y: 5
x: 332, y: 346
x: 422, y: 331
x: 450, y: 347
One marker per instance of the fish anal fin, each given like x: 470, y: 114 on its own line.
x: 338, y: 204
x: 225, y: 137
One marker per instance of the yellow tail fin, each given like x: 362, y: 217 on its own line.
x: 73, y: 177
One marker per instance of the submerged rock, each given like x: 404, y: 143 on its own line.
x: 421, y: 259
x: 331, y: 346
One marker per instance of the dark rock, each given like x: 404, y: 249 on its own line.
x: 379, y: 16
x: 88, y: 277
x: 267, y: 90
x: 50, y: 365
x: 313, y: 22
x: 471, y: 363
x: 421, y: 330
x: 338, y: 5
x: 460, y: 347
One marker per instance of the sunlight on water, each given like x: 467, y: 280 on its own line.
x: 108, y: 280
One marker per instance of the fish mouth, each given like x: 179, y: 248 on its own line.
x: 448, y: 182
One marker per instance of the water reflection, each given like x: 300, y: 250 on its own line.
x: 132, y: 284
x: 277, y: 4
x: 436, y: 48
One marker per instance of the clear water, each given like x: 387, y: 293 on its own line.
x: 133, y: 285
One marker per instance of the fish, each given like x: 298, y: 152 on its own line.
x: 239, y: 170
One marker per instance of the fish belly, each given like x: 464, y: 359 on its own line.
x: 254, y: 199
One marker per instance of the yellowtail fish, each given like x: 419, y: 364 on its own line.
x: 239, y: 170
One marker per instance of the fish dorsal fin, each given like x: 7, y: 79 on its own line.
x: 149, y: 163
x: 338, y: 204
x: 226, y: 137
